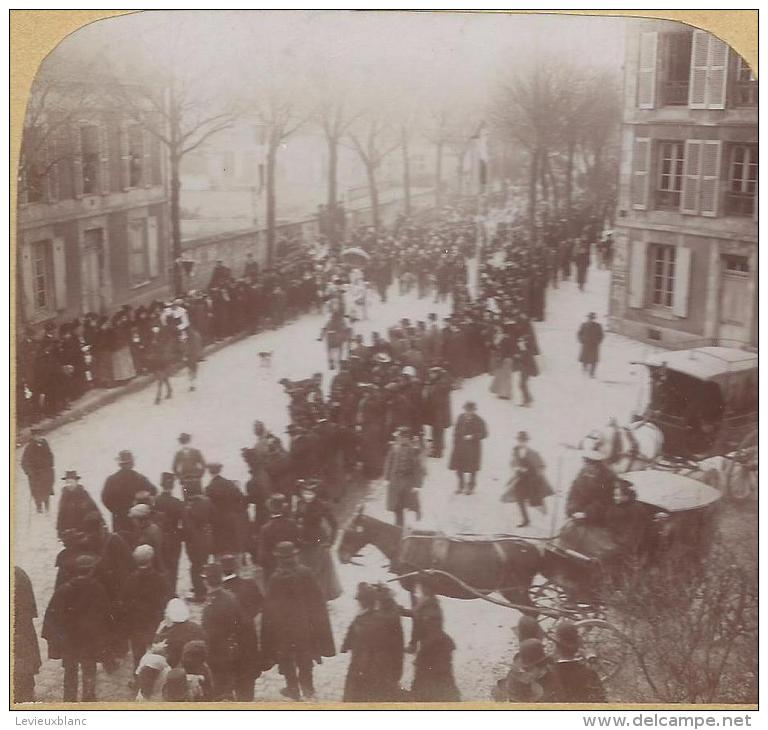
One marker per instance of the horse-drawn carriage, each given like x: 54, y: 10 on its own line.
x: 563, y: 576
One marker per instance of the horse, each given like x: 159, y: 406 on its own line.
x: 627, y: 448
x: 483, y: 564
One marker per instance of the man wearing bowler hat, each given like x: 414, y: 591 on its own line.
x: 120, y: 488
x: 74, y: 505
x: 576, y: 680
x: 296, y: 630
x: 188, y: 465
x: 37, y: 463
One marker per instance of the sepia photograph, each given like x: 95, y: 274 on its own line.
x: 404, y: 358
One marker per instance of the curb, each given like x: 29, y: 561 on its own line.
x: 110, y: 395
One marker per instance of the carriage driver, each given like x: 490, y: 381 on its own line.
x: 591, y: 493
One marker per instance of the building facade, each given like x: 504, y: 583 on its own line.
x: 92, y: 219
x: 685, y: 266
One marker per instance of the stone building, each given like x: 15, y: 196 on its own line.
x: 685, y: 269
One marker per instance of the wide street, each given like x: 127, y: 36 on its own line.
x: 233, y: 391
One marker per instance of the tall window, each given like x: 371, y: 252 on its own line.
x: 89, y: 144
x: 136, y: 153
x: 42, y: 275
x: 746, y: 84
x: 677, y: 68
x: 670, y: 175
x: 138, y: 264
x: 742, y: 180
x: 662, y: 274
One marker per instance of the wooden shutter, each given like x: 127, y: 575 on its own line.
x: 146, y: 162
x: 646, y: 70
x: 717, y: 73
x: 59, y: 274
x: 27, y: 284
x: 77, y: 160
x: 641, y: 164
x: 125, y: 157
x: 52, y: 170
x: 104, y: 181
x: 637, y: 262
x: 682, y: 281
x: 689, y: 200
x: 152, y: 247
x: 697, y: 88
x: 710, y: 177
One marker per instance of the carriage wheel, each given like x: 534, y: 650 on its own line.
x: 553, y: 596
x: 603, y: 647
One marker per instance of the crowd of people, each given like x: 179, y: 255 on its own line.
x: 385, y: 411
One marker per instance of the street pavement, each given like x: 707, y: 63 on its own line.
x: 233, y: 390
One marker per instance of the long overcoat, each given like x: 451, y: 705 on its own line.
x: 37, y: 463
x: 590, y: 336
x: 466, y: 454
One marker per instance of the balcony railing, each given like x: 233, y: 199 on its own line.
x: 675, y: 93
x: 739, y: 204
x: 667, y: 200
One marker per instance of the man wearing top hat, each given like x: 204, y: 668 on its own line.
x: 576, y: 681
x: 37, y: 463
x: 120, y: 490
x: 436, y: 408
x: 74, y: 505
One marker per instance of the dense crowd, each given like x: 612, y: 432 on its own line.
x: 117, y: 585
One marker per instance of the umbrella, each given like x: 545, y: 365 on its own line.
x: 355, y: 255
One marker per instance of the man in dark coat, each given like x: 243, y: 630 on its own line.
x: 591, y: 493
x: 250, y: 601
x: 74, y: 505
x: 142, y: 602
x: 296, y: 630
x: 228, y: 507
x: 169, y: 515
x: 468, y: 433
x: 575, y: 680
x: 437, y: 408
x: 196, y: 525
x: 26, y: 651
x: 433, y: 679
x: 280, y: 528
x: 590, y: 335
x: 220, y: 275
x: 78, y: 626
x: 37, y: 463
x: 120, y: 490
x: 222, y: 623
x: 188, y: 465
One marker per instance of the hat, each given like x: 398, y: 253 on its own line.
x: 366, y: 593
x: 85, y: 563
x: 228, y: 564
x: 184, y: 438
x: 531, y: 654
x: 307, y: 485
x: 124, y: 457
x: 523, y: 436
x: 382, y: 357
x: 213, y: 573
x: 176, y: 612
x: 470, y: 405
x: 410, y: 371
x: 591, y: 451
x: 591, y: 315
x: 71, y: 475
x: 567, y: 635
x: 35, y: 431
x: 285, y: 549
x: 167, y: 478
x: 144, y: 554
x: 214, y: 467
x: 140, y: 511
x: 528, y: 628
x: 275, y: 503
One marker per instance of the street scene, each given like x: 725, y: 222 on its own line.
x: 390, y: 384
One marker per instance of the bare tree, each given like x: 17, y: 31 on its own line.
x: 373, y: 139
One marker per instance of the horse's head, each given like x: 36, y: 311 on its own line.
x: 355, y: 537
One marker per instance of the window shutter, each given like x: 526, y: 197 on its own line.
x: 104, y: 182
x: 146, y: 162
x: 717, y: 74
x: 152, y: 248
x: 52, y: 171
x: 710, y: 177
x: 682, y: 281
x: 77, y: 160
x: 697, y: 88
x: 125, y: 157
x: 59, y: 274
x: 26, y: 282
x: 637, y: 261
x: 689, y: 200
x: 646, y: 71
x: 641, y: 162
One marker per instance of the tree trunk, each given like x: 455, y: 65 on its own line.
x: 271, y: 202
x: 533, y: 175
x: 406, y: 173
x: 552, y: 184
x: 178, y: 274
x: 543, y: 175
x: 373, y: 191
x: 460, y: 172
x: 569, y: 180
x: 439, y: 174
x: 333, y: 165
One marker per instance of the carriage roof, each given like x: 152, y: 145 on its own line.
x: 705, y: 363
x: 671, y: 492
